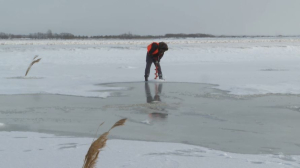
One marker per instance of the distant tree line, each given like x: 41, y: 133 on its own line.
x: 47, y: 35
x: 132, y: 36
x: 50, y: 35
x: 188, y: 35
x: 125, y: 36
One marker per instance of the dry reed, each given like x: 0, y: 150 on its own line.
x: 33, y: 62
x: 94, y: 150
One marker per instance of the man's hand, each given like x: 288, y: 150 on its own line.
x: 156, y: 60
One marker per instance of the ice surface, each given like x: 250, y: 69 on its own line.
x: 230, y: 96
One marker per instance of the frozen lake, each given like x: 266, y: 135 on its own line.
x: 239, y: 96
x: 190, y: 113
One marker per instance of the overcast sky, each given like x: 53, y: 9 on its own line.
x: 151, y: 17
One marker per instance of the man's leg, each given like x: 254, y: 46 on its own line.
x: 159, y: 88
x: 157, y: 92
x: 148, y: 93
x: 148, y: 66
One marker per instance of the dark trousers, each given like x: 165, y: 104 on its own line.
x: 149, y: 61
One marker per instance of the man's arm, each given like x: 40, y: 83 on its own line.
x: 160, y: 56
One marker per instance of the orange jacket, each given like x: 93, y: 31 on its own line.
x: 152, y: 50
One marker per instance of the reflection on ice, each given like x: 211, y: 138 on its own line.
x: 161, y: 113
x: 158, y: 89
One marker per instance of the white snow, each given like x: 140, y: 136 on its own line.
x: 75, y: 67
x: 241, y: 66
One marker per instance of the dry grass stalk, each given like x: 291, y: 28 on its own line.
x: 35, y: 57
x: 119, y: 123
x: 94, y: 150
x: 97, y: 131
x: 33, y: 62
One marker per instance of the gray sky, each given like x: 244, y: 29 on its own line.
x: 151, y: 17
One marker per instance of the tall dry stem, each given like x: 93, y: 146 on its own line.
x: 33, y: 62
x: 95, y: 148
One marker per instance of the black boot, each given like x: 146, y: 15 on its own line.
x: 160, y: 77
x: 146, y: 77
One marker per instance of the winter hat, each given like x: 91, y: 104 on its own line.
x: 162, y: 46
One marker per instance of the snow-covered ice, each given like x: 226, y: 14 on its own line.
x: 239, y: 68
x: 35, y: 150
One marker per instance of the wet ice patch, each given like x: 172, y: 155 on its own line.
x: 1, y: 124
